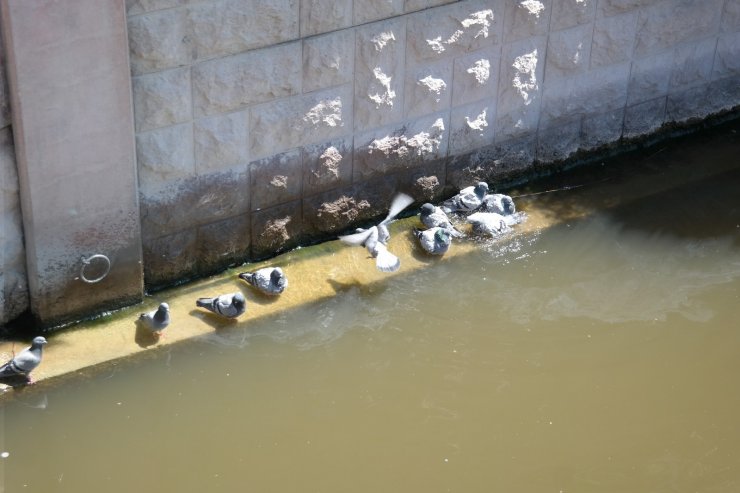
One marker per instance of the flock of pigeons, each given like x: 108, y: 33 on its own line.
x: 489, y: 215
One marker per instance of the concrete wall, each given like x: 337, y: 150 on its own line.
x: 13, y: 281
x: 262, y: 123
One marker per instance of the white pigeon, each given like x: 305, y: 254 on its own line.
x: 498, y: 203
x: 492, y: 223
x: 375, y: 239
x: 435, y: 217
x: 156, y: 320
x: 270, y: 280
x: 24, y: 362
x: 434, y: 240
x: 227, y: 305
x: 468, y: 200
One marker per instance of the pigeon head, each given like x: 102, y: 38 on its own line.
x: 38, y: 341
x: 238, y: 300
x: 427, y: 209
x: 508, y: 204
x: 481, y: 189
x: 276, y: 274
x: 163, y: 307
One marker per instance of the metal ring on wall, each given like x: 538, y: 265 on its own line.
x: 88, y: 261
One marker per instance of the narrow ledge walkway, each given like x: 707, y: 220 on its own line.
x: 319, y: 272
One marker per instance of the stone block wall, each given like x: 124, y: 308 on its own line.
x: 262, y: 124
x: 13, y: 279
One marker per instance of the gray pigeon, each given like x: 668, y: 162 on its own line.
x: 156, y: 320
x: 498, y: 203
x: 468, y: 200
x: 435, y: 217
x: 492, y: 223
x: 375, y: 239
x: 434, y: 240
x: 270, y: 280
x: 24, y: 362
x: 227, y: 305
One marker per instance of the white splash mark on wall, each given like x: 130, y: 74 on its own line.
x: 533, y: 7
x: 328, y: 112
x: 385, y: 81
x: 479, y: 123
x: 382, y: 39
x: 402, y: 146
x: 525, y: 79
x: 433, y: 85
x: 482, y: 18
x: 481, y: 70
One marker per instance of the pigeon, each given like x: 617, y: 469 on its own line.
x: 498, y: 203
x: 468, y: 200
x: 24, y: 362
x: 434, y: 240
x: 492, y: 223
x: 269, y: 280
x: 434, y: 217
x: 227, y: 305
x: 156, y: 320
x: 375, y: 239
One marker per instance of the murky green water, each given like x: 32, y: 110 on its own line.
x: 598, y: 355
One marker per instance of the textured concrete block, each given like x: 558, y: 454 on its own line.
x: 373, y: 10
x: 221, y: 141
x: 727, y: 57
x: 526, y: 19
x: 692, y: 64
x: 669, y: 23
x: 223, y: 244
x: 322, y: 16
x: 520, y: 87
x: 276, y: 179
x: 164, y: 155
x: 276, y: 229
x: 475, y: 76
x: 334, y: 211
x: 414, y: 5
x: 568, y: 52
x: 650, y: 77
x: 559, y: 140
x: 596, y: 91
x: 327, y: 165
x: 231, y: 83
x: 601, y: 129
x: 288, y: 123
x: 645, y: 117
x: 159, y: 41
x: 613, y: 7
x: 428, y: 88
x: 614, y: 38
x: 731, y: 16
x: 689, y: 104
x: 220, y: 195
x: 225, y: 27
x: 392, y: 149
x: 506, y: 158
x: 724, y: 93
x: 454, y: 30
x: 134, y: 7
x: 162, y: 99
x: 570, y: 13
x: 170, y: 259
x: 165, y: 207
x: 379, y: 76
x: 328, y: 60
x: 472, y: 126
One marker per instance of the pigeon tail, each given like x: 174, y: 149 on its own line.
x: 385, y: 261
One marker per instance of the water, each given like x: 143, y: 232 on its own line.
x: 596, y: 355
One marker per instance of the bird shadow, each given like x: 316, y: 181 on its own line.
x: 257, y: 296
x: 216, y: 321
x: 144, y: 337
x: 16, y: 382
